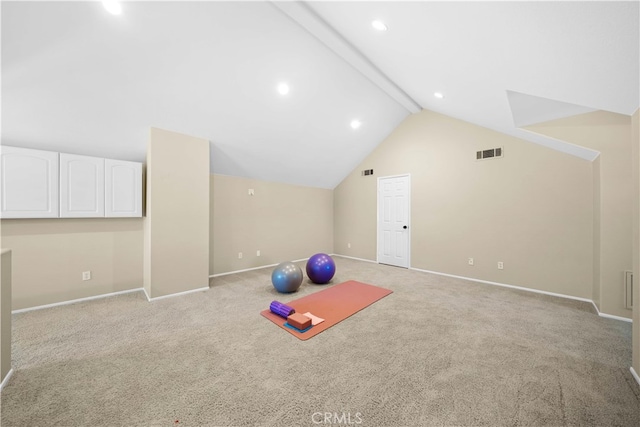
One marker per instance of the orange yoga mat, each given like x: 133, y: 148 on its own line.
x: 333, y: 304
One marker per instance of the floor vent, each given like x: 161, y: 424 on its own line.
x: 492, y: 153
x: 628, y: 290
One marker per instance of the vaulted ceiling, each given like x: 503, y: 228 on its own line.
x: 78, y: 79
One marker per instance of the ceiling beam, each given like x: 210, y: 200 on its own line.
x: 314, y: 24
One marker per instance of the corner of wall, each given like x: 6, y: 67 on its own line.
x: 635, y: 149
x: 176, y: 241
x: 597, y: 206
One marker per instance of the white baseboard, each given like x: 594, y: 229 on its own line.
x: 620, y: 318
x: 6, y: 379
x: 537, y: 291
x: 610, y: 316
x: 520, y: 288
x: 357, y: 259
x: 635, y: 375
x: 253, y: 268
x: 73, y: 301
x: 174, y: 295
x: 243, y: 270
x: 505, y: 285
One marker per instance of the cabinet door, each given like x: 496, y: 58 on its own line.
x: 28, y: 183
x: 81, y: 186
x: 123, y: 188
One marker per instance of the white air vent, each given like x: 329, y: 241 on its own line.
x: 492, y: 153
x: 628, y: 289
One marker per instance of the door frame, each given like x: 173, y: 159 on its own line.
x: 408, y: 175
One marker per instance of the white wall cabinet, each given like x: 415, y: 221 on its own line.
x: 29, y: 183
x: 46, y: 184
x: 123, y: 188
x: 81, y: 186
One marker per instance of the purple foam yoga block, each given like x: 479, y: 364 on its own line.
x: 281, y: 309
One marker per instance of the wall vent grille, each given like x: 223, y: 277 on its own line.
x: 367, y: 172
x: 492, y: 153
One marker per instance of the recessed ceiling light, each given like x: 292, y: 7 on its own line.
x: 379, y: 25
x: 113, y: 7
x: 283, y: 88
x: 355, y: 124
x: 438, y: 95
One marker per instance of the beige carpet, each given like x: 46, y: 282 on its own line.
x: 437, y: 352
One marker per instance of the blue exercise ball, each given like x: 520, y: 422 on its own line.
x: 286, y: 277
x: 321, y: 268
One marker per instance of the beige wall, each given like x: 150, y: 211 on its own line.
x: 49, y: 256
x: 597, y: 247
x: 532, y: 209
x: 177, y: 214
x: 5, y: 314
x: 285, y: 222
x: 610, y: 134
x: 635, y: 147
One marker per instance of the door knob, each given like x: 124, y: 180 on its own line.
x: 405, y: 227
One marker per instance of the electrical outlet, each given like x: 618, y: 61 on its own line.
x: 86, y: 275
x: 349, y: 245
x: 500, y: 265
x: 258, y: 252
x: 470, y: 261
x: 239, y: 255
x: 251, y: 192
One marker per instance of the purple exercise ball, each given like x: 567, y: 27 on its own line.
x: 321, y: 268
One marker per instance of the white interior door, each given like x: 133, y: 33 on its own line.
x: 393, y: 220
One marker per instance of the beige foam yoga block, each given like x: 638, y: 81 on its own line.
x: 299, y: 321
